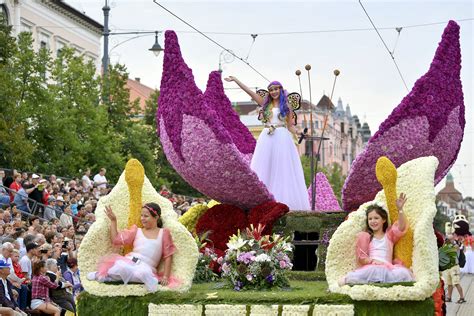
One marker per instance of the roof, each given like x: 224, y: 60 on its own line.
x: 245, y: 107
x: 139, y: 90
x: 75, y: 14
x: 325, y: 103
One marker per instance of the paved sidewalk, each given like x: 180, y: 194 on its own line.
x: 465, y: 309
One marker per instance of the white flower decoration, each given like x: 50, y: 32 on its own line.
x: 415, y: 179
x: 97, y: 243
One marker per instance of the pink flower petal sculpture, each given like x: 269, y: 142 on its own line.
x: 428, y: 122
x: 326, y: 201
x: 202, y: 136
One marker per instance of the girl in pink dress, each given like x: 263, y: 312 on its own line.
x: 374, y: 249
x: 151, y: 244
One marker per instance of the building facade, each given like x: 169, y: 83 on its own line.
x: 452, y: 203
x: 346, y: 136
x: 55, y: 25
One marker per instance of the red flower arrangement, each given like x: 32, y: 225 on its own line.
x: 224, y: 220
x: 266, y: 214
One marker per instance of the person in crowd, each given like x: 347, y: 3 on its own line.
x: 50, y: 210
x: 86, y: 181
x: 60, y: 295
x: 374, y: 248
x: 40, y: 286
x: 140, y: 264
x: 26, y: 262
x: 16, y: 282
x: 6, y: 289
x: 46, y: 251
x: 72, y: 275
x: 15, y: 186
x: 36, y: 195
x: 21, y: 197
x: 59, y: 205
x: 66, y: 218
x: 100, y: 181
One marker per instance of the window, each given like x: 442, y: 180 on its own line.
x: 59, y: 47
x: 44, y: 40
x: 342, y: 127
x: 4, y: 14
x: 77, y: 50
x: 26, y: 28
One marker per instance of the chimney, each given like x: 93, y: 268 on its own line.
x: 137, y: 79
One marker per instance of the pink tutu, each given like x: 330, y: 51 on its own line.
x: 375, y: 273
x: 147, y: 252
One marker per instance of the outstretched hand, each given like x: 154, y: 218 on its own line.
x: 230, y: 79
x: 401, y: 201
x: 110, y: 214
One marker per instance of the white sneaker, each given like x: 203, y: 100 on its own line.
x: 92, y: 276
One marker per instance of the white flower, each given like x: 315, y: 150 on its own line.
x: 415, y: 179
x: 236, y: 243
x: 263, y: 258
x: 97, y: 243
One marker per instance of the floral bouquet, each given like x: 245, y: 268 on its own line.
x: 207, y: 267
x: 256, y: 261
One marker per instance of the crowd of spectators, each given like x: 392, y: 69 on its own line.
x: 42, y: 223
x: 43, y: 220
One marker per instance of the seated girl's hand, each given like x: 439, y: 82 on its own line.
x: 164, y: 281
x: 377, y: 262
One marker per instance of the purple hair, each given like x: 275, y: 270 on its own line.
x: 283, y: 99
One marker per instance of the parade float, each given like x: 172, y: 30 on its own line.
x: 210, y: 148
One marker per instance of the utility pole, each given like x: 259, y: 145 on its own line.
x: 105, y: 58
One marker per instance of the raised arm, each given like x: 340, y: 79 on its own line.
x: 402, y: 220
x: 113, y: 222
x: 257, y: 98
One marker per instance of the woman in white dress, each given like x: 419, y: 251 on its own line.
x: 468, y: 252
x: 275, y: 159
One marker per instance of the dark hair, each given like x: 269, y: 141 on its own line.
x: 380, y: 211
x: 33, y: 218
x: 37, y: 267
x: 155, y: 211
x: 71, y: 262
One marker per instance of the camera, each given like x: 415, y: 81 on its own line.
x: 65, y: 244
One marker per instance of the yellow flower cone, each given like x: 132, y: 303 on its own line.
x: 386, y: 173
x: 191, y: 217
x: 134, y: 176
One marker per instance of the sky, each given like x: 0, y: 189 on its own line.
x: 327, y: 35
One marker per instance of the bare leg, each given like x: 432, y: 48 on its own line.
x: 450, y: 292
x: 461, y: 294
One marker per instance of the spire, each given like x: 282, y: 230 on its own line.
x: 348, y: 111
x: 449, y: 177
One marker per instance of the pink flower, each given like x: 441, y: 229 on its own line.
x: 282, y: 264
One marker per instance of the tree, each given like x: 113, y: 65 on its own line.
x: 332, y: 172
x: 16, y: 150
x: 440, y: 220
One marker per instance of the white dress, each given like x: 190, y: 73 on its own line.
x: 374, y: 273
x: 277, y: 164
x: 149, y: 252
x: 469, y: 266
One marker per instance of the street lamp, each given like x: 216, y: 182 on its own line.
x: 226, y: 56
x: 156, y: 48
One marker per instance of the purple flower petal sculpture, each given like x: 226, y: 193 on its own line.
x: 204, y: 142
x: 428, y: 122
x: 326, y: 201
